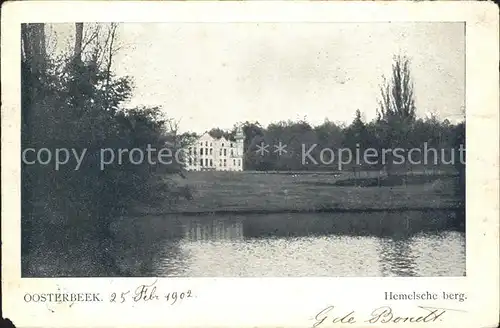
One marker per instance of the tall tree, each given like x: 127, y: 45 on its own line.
x: 397, y: 106
x: 397, y: 96
x: 76, y: 102
x: 78, y: 40
x: 34, y: 63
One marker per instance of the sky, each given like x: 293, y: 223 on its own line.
x: 217, y: 74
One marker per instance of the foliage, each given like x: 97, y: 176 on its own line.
x: 396, y: 126
x: 76, y: 102
x: 357, y: 136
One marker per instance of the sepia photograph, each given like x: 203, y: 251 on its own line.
x: 228, y: 150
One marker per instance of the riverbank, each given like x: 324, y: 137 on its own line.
x: 250, y: 193
x: 271, y: 205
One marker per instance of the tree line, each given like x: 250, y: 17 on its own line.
x: 395, y: 126
x: 75, y: 101
x: 300, y: 136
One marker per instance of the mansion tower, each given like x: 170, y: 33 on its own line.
x: 211, y: 154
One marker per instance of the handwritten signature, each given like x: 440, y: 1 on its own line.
x: 383, y: 314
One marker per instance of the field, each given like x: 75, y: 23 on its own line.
x: 258, y: 192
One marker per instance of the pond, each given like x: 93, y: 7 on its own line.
x: 277, y: 245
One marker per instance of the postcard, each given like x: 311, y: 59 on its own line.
x: 250, y: 164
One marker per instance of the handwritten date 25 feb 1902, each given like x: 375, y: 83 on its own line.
x: 149, y: 293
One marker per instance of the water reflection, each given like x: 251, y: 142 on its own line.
x: 396, y: 257
x: 212, y: 229
x: 381, y: 244
x: 382, y: 224
x: 444, y: 247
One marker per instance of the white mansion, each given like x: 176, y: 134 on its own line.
x: 211, y: 154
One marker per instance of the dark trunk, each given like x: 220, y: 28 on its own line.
x: 78, y: 40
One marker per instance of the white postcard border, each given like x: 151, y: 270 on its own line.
x: 269, y: 302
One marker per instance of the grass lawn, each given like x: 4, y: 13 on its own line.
x: 251, y: 191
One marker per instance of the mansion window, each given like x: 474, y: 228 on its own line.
x: 206, y: 161
x: 211, y: 162
x: 190, y: 161
x: 201, y: 162
x: 211, y: 151
x: 234, y: 162
x: 231, y: 145
x: 232, y: 152
x: 225, y: 163
x: 190, y: 150
x: 239, y: 162
x: 206, y: 151
x: 225, y: 153
x: 201, y: 151
x: 220, y: 152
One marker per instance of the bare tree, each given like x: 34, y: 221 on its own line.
x: 100, y: 43
x: 33, y: 45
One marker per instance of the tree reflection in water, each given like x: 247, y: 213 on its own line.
x: 340, y: 244
x: 213, y: 229
x: 396, y: 257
